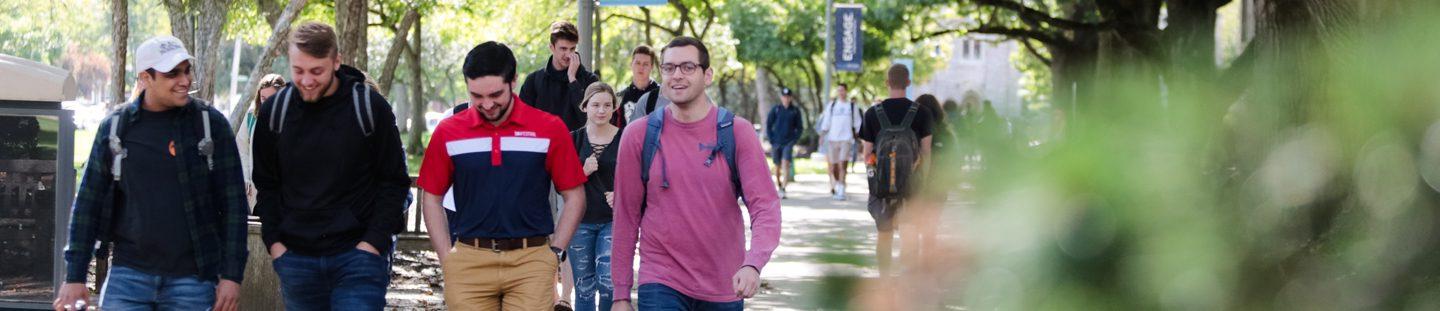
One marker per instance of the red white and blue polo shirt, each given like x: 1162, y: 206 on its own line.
x: 502, y: 194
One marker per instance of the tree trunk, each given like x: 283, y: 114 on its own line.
x: 275, y: 44
x: 270, y: 9
x: 762, y: 93
x: 119, y: 36
x: 392, y: 58
x: 351, y: 20
x: 417, y: 98
x: 649, y: 26
x: 1294, y: 35
x: 199, y: 24
x: 1190, y: 38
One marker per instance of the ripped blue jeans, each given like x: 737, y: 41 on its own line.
x: 590, y: 261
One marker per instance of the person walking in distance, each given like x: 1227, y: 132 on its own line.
x: 896, y: 144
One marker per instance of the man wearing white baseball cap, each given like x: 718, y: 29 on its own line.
x: 163, y: 184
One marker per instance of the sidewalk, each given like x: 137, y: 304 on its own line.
x: 827, y: 249
x: 822, y: 238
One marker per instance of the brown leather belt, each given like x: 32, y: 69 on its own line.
x: 499, y: 245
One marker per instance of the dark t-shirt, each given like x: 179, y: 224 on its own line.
x: 895, y: 108
x: 597, y: 210
x: 151, y: 232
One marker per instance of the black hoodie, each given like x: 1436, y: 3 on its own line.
x: 550, y: 90
x: 630, y: 106
x: 323, y: 184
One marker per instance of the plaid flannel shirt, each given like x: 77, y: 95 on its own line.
x: 216, y: 204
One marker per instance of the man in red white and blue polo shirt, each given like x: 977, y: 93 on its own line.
x: 501, y: 156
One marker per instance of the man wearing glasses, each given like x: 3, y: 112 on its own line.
x: 693, y: 251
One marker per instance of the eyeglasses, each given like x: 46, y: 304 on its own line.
x: 685, y: 68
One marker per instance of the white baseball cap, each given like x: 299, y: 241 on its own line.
x: 161, y: 53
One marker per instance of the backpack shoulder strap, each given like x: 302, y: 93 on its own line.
x: 279, y: 108
x: 117, y: 150
x: 653, y: 124
x: 855, y: 114
x: 884, y: 118
x: 364, y: 115
x: 651, y: 99
x: 206, y: 145
x: 459, y: 108
x: 725, y: 138
x: 909, y: 116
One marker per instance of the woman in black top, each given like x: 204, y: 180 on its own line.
x: 596, y: 144
x: 944, y: 173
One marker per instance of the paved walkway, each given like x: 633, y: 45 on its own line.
x: 826, y: 251
x: 823, y: 240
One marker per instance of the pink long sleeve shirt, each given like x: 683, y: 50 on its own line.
x: 693, y: 233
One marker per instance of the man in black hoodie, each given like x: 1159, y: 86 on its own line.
x: 642, y: 63
x: 558, y: 88
x: 331, y: 178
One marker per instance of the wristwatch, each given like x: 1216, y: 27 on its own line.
x: 559, y: 253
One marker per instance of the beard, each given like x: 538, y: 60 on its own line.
x: 320, y: 93
x: 503, y: 111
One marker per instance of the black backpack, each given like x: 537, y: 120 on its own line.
x: 897, y: 150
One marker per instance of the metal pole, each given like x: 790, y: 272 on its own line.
x: 829, y: 52
x: 599, y: 44
x: 235, y: 74
x: 586, y: 22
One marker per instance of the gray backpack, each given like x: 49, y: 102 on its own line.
x: 363, y: 113
x: 897, y: 150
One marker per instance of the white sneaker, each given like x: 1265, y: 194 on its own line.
x: 839, y: 192
x: 782, y: 193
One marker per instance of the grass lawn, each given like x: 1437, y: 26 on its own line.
x: 83, y: 140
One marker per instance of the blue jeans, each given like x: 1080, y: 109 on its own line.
x: 353, y: 280
x: 590, y: 260
x: 130, y: 289
x: 656, y: 296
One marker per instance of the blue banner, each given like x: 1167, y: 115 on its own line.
x: 631, y: 2
x: 846, y: 37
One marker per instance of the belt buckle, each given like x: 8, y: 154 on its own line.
x: 494, y: 246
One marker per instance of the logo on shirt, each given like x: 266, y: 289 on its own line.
x: 525, y: 134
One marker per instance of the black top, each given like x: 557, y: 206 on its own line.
x: 631, y: 95
x: 323, y: 184
x: 597, y: 210
x: 550, y: 90
x: 152, y: 233
x: 895, y: 108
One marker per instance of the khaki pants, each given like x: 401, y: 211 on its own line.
x: 481, y: 279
